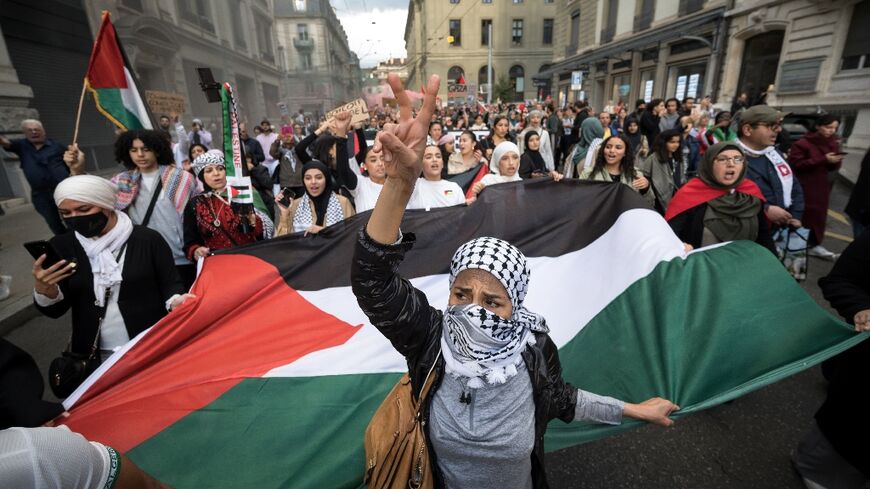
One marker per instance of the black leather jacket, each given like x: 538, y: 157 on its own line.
x: 403, y: 314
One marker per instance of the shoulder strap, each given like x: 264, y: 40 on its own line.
x: 151, y: 204
x: 427, y: 384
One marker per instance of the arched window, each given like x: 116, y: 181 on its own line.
x: 454, y: 74
x: 482, y: 76
x: 518, y: 82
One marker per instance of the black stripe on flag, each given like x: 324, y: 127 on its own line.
x: 540, y: 217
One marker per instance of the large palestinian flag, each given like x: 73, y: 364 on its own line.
x: 110, y: 80
x: 270, y: 378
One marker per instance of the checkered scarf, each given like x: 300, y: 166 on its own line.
x: 477, y: 343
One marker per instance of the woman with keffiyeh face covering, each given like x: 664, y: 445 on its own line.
x: 497, y: 372
x: 211, y: 222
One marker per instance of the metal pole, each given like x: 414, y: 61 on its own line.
x: 489, y: 66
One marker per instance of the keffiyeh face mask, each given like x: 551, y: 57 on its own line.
x: 477, y: 343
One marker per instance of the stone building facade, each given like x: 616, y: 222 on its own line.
x: 632, y: 49
x: 321, y: 70
x: 809, y: 55
x: 46, y: 46
x: 523, y: 38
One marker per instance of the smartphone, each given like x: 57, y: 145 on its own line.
x: 42, y: 247
x: 286, y: 195
x: 841, y: 153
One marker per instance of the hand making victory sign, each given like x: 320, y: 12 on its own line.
x: 403, y: 146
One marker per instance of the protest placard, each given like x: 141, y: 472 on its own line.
x: 359, y: 111
x: 164, y: 102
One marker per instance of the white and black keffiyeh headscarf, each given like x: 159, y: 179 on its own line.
x: 477, y: 343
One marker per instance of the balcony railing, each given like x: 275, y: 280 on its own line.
x: 303, y: 44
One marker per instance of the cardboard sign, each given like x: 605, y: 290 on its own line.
x: 164, y: 102
x: 359, y: 111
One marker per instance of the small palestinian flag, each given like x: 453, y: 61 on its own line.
x: 270, y: 377
x: 111, y: 82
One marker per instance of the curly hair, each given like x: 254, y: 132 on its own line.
x: 156, y: 141
x: 627, y: 163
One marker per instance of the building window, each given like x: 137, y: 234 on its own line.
x: 456, y: 32
x: 306, y: 61
x: 575, y: 30
x: 548, y: 31
x: 517, y: 31
x: 133, y: 4
x: 455, y: 74
x: 484, y: 31
x: 264, y: 38
x: 454, y: 1
x: 643, y: 15
x: 299, y: 5
x: 517, y: 78
x: 197, y: 12
x: 609, y: 29
x: 548, y: 1
x: 518, y: 1
x: 238, y: 26
x: 482, y: 76
x: 689, y: 6
x: 856, y: 52
x: 487, y: 1
x: 302, y: 32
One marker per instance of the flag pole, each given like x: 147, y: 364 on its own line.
x: 79, y: 112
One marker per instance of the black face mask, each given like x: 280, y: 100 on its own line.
x: 89, y: 225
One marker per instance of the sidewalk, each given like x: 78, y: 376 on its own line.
x: 19, y: 225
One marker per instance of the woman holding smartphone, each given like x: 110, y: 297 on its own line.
x: 116, y: 277
x: 815, y: 159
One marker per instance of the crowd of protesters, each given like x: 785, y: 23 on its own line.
x: 715, y: 176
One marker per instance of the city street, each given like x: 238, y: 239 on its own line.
x: 743, y: 444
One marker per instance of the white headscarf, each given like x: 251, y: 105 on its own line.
x: 503, y: 148
x: 100, y: 250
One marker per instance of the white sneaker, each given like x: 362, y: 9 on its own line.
x: 820, y: 251
x: 5, y: 284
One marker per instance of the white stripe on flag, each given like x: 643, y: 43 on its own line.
x: 568, y: 291
x: 133, y: 102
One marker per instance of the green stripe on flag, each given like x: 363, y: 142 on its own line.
x: 111, y: 104
x: 271, y: 432
x: 701, y: 346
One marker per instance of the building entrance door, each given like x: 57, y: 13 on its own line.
x: 760, y: 64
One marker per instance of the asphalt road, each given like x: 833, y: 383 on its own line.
x: 743, y: 444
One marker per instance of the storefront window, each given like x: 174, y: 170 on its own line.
x: 647, y: 84
x: 621, y: 90
x: 686, y: 80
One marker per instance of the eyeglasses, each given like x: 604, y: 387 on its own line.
x: 737, y: 160
x: 772, y: 127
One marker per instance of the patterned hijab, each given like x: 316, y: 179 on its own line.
x: 476, y: 343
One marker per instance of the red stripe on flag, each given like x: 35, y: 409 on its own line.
x: 238, y: 328
x: 106, y: 66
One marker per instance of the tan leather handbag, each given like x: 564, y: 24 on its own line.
x: 396, y: 453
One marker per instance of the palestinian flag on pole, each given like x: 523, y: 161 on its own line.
x: 110, y: 80
x: 239, y: 188
x: 270, y: 378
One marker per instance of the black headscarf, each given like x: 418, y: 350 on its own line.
x: 633, y: 139
x: 321, y: 202
x: 538, y: 164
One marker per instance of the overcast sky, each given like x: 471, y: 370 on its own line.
x: 375, y: 28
